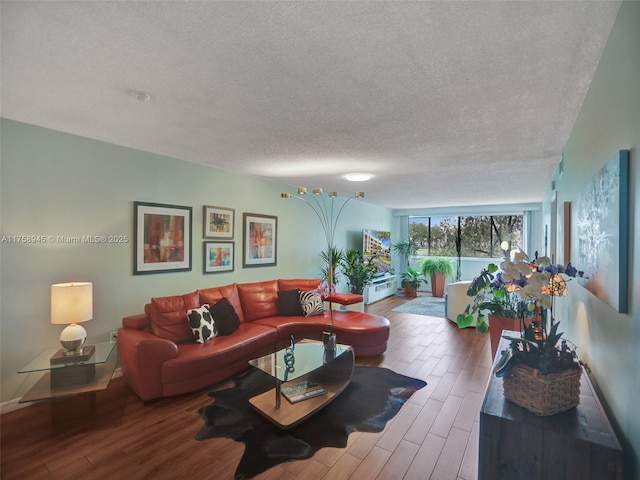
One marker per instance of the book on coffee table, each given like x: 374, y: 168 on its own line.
x: 302, y: 390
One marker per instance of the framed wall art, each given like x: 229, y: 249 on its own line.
x: 259, y: 240
x: 603, y: 232
x: 218, y: 222
x: 162, y: 238
x: 218, y: 257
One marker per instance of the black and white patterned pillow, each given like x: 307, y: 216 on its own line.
x: 202, y: 324
x: 311, y: 303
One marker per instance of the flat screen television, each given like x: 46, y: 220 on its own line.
x: 376, y: 244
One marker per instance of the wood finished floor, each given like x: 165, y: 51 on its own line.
x: 435, y: 435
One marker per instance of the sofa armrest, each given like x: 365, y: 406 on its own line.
x: 344, y: 298
x: 141, y: 357
x: 137, y: 322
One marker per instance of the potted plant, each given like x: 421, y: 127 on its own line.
x: 541, y: 371
x: 494, y: 307
x: 332, y: 258
x: 411, y: 280
x: 404, y: 249
x: 437, y: 268
x: 359, y: 272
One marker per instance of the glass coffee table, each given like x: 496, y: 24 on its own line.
x: 308, y: 361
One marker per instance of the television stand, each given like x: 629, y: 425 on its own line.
x: 381, y: 287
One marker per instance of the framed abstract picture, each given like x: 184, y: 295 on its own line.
x: 162, y: 238
x: 218, y: 257
x: 259, y: 240
x: 603, y: 232
x: 218, y: 222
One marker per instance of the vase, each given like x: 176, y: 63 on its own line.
x: 437, y: 285
x: 542, y: 394
x: 496, y: 325
x: 329, y: 341
x: 409, y: 291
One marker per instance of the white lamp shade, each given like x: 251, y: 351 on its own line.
x: 71, y: 302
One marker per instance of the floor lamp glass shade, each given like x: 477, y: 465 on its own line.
x: 72, y: 303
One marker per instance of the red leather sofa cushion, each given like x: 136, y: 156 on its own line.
x: 169, y: 317
x: 230, y: 292
x: 303, y: 284
x: 195, y: 360
x: 259, y: 299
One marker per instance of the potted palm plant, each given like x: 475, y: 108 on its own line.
x: 437, y: 268
x: 332, y: 257
x: 405, y: 249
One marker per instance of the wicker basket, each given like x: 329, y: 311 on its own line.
x: 542, y: 394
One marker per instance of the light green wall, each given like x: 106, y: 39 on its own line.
x: 609, y: 121
x: 58, y: 184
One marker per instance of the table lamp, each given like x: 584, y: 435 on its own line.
x: 72, y: 303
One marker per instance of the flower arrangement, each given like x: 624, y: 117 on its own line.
x: 541, y: 370
x: 537, y: 283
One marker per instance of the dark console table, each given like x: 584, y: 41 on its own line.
x: 517, y: 444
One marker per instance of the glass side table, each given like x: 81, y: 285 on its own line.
x: 75, y: 379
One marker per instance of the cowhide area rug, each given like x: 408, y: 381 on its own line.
x: 374, y: 396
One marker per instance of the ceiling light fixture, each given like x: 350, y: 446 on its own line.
x: 358, y: 177
x: 141, y: 96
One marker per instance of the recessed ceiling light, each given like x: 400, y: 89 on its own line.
x: 141, y: 96
x: 358, y: 177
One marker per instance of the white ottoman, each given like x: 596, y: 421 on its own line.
x: 457, y: 299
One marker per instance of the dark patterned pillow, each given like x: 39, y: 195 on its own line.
x: 289, y: 303
x: 311, y: 303
x: 225, y: 317
x: 201, y: 323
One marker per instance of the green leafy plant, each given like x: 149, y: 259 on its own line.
x: 359, y: 272
x: 413, y: 278
x: 332, y: 257
x: 549, y: 355
x: 404, y: 249
x: 433, y: 265
x: 493, y: 297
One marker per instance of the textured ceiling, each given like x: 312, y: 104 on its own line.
x: 445, y: 103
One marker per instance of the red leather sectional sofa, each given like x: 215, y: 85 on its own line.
x: 159, y: 356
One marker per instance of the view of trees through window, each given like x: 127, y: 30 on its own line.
x: 478, y: 236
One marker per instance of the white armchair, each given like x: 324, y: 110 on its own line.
x: 457, y: 299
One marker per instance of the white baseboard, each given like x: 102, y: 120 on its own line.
x: 11, y: 405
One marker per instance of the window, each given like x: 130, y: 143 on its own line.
x: 477, y: 236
